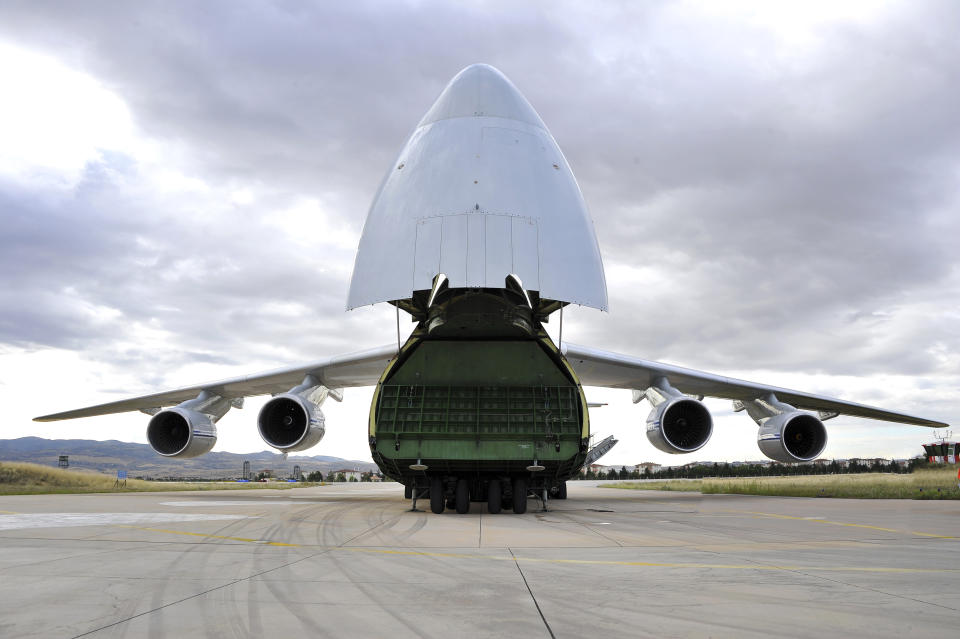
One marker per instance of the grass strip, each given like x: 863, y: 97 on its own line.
x: 934, y: 483
x: 18, y: 478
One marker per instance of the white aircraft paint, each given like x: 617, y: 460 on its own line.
x: 479, y: 191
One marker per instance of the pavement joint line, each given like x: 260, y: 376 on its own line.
x: 594, y: 562
x: 230, y: 583
x: 532, y: 596
x: 841, y: 523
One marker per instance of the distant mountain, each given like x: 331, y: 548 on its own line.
x: 139, y: 460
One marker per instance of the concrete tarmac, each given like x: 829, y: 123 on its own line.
x: 349, y: 560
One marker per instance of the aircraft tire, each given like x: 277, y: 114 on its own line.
x: 520, y: 495
x: 561, y: 490
x: 463, y: 497
x: 494, y: 497
x: 436, y: 495
x: 408, y: 492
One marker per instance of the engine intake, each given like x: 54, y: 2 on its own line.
x: 290, y: 423
x: 679, y: 425
x: 786, y: 434
x: 792, y: 437
x: 181, y: 432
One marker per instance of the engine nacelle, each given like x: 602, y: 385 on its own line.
x: 290, y: 423
x: 792, y: 437
x: 679, y: 425
x: 181, y: 432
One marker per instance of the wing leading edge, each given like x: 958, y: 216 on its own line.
x: 612, y: 370
x: 362, y: 368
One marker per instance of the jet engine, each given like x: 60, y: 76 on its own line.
x: 677, y: 423
x: 181, y: 432
x: 792, y: 437
x: 290, y: 423
x: 786, y: 434
x: 187, y: 429
x: 293, y: 421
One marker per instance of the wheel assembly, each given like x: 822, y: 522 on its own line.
x: 494, y: 496
x: 520, y: 485
x: 436, y: 495
x: 462, y: 498
x: 561, y: 490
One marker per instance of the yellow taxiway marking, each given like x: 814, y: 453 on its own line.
x: 841, y: 523
x: 594, y: 562
x: 9, y: 512
x: 923, y: 534
x: 656, y: 564
x: 263, y: 542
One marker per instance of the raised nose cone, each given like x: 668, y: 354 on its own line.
x: 479, y: 192
x: 480, y: 90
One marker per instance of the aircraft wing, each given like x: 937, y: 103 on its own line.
x: 602, y: 368
x: 355, y: 369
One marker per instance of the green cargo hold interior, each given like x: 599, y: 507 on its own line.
x: 440, y: 407
x: 475, y: 363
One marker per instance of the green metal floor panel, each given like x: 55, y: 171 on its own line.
x: 515, y: 411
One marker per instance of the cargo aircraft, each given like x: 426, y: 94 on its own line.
x: 480, y: 233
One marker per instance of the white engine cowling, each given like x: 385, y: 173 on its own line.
x: 290, y: 423
x: 679, y: 425
x: 181, y: 432
x: 792, y: 437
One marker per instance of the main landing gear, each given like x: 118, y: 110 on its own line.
x: 499, y: 493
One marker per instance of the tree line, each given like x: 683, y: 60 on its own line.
x: 756, y: 470
x: 317, y: 476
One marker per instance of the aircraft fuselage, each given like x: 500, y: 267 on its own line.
x: 479, y: 394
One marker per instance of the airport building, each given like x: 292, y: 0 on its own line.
x: 652, y: 467
x: 347, y: 473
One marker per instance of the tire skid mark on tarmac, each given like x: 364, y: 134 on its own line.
x: 591, y: 526
x: 416, y: 525
x: 650, y: 564
x: 244, y: 618
x: 226, y: 614
x: 284, y: 591
x: 203, y: 593
x: 188, y: 556
x: 197, y: 564
x: 127, y: 608
x: 364, y: 587
x: 330, y: 526
x: 254, y: 616
x: 78, y: 555
x: 332, y: 520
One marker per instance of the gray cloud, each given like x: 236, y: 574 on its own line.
x: 773, y: 205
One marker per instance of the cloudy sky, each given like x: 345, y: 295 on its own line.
x: 774, y: 188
